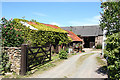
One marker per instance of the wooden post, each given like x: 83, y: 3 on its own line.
x: 23, y: 59
x: 50, y: 53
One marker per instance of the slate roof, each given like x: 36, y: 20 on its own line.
x: 85, y: 30
x: 73, y: 36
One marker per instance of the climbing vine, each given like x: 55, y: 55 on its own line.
x: 43, y: 35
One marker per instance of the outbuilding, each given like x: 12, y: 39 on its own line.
x: 91, y: 35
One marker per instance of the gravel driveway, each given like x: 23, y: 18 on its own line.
x: 70, y: 69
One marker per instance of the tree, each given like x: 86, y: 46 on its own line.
x: 33, y: 20
x: 111, y: 22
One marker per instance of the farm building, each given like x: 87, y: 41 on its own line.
x: 46, y: 33
x: 91, y: 35
x: 76, y: 42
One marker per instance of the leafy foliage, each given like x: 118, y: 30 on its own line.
x: 99, y: 46
x: 46, y: 35
x: 63, y: 54
x: 110, y: 17
x: 42, y: 27
x: 111, y: 22
x: 11, y: 36
x: 5, y: 64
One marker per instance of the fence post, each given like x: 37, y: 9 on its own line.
x: 50, y: 53
x: 23, y: 59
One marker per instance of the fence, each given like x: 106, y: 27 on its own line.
x: 33, y: 56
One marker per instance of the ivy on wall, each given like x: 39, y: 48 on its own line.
x: 111, y: 22
x: 44, y: 34
x: 43, y: 27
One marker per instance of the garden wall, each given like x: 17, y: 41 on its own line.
x: 14, y: 54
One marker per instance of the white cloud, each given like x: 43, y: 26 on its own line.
x: 88, y: 21
x: 39, y: 14
x: 54, y: 23
x: 78, y: 23
x: 94, y: 19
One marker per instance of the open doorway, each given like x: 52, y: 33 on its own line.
x: 89, y: 42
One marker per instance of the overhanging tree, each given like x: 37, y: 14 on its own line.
x: 111, y: 22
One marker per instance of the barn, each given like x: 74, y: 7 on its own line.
x: 91, y: 35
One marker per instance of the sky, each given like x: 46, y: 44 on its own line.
x: 57, y: 13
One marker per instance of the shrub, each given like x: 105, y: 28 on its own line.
x: 83, y: 50
x: 5, y: 64
x: 63, y: 54
x: 99, y: 46
x: 110, y: 21
x: 11, y: 37
x: 66, y: 50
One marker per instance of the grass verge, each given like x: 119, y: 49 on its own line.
x: 82, y: 58
x: 101, y: 62
x: 103, y: 66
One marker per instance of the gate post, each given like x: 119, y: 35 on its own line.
x: 50, y: 53
x: 23, y: 59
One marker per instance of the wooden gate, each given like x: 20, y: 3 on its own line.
x: 33, y: 56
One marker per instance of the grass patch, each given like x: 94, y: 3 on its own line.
x: 82, y: 58
x: 13, y: 75
x: 65, y: 77
x: 103, y: 66
x: 7, y: 76
x: 55, y: 57
x: 101, y: 62
x: 96, y: 49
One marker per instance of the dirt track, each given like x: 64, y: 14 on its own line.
x: 70, y: 69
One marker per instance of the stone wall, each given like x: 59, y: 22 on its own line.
x: 14, y: 54
x: 98, y: 40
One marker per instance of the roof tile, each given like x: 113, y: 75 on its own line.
x: 73, y: 36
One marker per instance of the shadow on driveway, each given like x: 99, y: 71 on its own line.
x: 102, y: 70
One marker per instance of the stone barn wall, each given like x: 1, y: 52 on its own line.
x: 98, y: 40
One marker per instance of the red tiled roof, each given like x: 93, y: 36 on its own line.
x: 32, y: 23
x: 56, y: 28
x: 73, y: 36
x: 53, y: 26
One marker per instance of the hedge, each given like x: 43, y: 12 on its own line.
x: 110, y: 21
